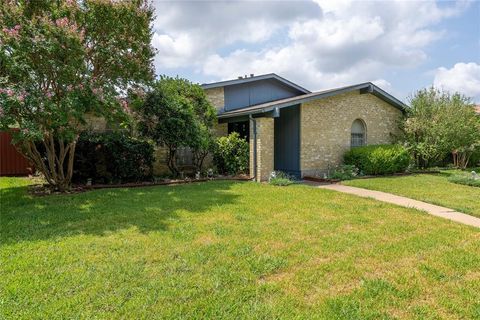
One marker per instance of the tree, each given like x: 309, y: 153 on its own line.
x: 438, y: 123
x: 202, y: 145
x: 176, y: 113
x: 62, y: 59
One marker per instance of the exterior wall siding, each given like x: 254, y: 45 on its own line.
x: 248, y: 94
x: 326, y: 126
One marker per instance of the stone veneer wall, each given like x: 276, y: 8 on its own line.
x: 216, y: 96
x: 265, y: 144
x: 326, y: 127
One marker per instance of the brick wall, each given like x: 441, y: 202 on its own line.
x: 216, y: 97
x: 265, y: 139
x: 326, y: 127
x: 95, y: 123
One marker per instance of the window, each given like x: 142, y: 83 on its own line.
x: 358, y: 136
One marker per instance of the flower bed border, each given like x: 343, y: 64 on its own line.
x: 162, y: 183
x: 401, y: 174
x: 39, y: 190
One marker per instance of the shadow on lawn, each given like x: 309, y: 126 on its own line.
x: 27, y: 218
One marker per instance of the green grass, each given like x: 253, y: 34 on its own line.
x: 230, y: 250
x: 432, y: 188
x: 464, y: 178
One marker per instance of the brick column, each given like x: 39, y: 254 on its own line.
x: 264, y: 142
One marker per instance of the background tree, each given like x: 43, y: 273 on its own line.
x: 176, y: 113
x: 438, y: 123
x: 62, y: 59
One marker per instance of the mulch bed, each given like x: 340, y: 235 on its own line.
x: 44, y: 190
x: 322, y: 180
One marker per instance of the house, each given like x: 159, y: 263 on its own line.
x: 297, y: 131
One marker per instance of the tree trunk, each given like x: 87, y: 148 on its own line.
x: 50, y: 160
x: 199, y: 158
x: 172, y: 161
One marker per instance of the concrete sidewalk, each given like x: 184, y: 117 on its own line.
x: 405, y: 202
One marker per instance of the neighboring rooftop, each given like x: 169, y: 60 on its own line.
x: 366, y: 87
x: 250, y: 78
x: 477, y: 108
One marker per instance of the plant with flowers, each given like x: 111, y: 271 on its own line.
x: 60, y: 60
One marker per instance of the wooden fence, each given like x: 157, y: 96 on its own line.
x: 12, y: 163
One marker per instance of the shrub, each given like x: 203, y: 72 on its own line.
x: 344, y: 172
x: 112, y: 157
x: 469, y: 179
x: 378, y: 159
x: 279, y: 178
x: 231, y: 154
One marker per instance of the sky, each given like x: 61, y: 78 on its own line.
x: 401, y: 46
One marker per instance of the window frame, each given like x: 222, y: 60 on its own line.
x: 358, y: 139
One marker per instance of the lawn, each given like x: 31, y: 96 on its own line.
x: 230, y: 250
x: 432, y: 188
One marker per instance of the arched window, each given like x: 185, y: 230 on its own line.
x: 358, y: 135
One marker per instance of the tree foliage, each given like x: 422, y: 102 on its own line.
x: 231, y: 154
x: 438, y: 123
x: 62, y: 59
x: 176, y: 113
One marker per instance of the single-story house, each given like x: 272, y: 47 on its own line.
x: 294, y: 130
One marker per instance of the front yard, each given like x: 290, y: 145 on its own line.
x: 432, y: 188
x: 231, y: 250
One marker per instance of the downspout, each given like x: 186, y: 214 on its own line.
x: 253, y: 123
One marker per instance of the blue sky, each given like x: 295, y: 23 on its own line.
x: 401, y: 46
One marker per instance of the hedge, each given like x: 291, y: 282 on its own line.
x: 112, y: 157
x: 378, y: 159
x: 231, y: 154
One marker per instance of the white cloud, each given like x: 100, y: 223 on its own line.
x: 463, y: 78
x: 212, y: 25
x: 318, y: 44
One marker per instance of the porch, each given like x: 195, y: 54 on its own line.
x: 274, y: 140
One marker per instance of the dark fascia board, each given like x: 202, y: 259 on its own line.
x: 254, y: 78
x: 366, y: 87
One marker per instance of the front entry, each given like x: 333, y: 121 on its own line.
x: 287, y: 141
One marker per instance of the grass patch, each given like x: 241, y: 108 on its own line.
x: 432, y: 188
x: 230, y: 250
x: 465, y: 179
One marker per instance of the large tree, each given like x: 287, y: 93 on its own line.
x: 438, y: 123
x: 62, y: 59
x: 175, y: 113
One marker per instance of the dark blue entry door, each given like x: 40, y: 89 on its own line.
x: 287, y: 140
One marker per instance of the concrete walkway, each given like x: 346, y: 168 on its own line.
x: 405, y: 202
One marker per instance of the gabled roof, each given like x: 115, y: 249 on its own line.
x: 366, y: 87
x: 254, y: 78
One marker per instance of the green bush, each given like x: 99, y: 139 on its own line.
x: 344, y: 172
x: 231, y: 154
x: 112, y: 157
x: 378, y: 159
x: 465, y: 178
x: 279, y: 178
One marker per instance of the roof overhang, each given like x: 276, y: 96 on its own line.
x: 252, y: 79
x: 266, y: 108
